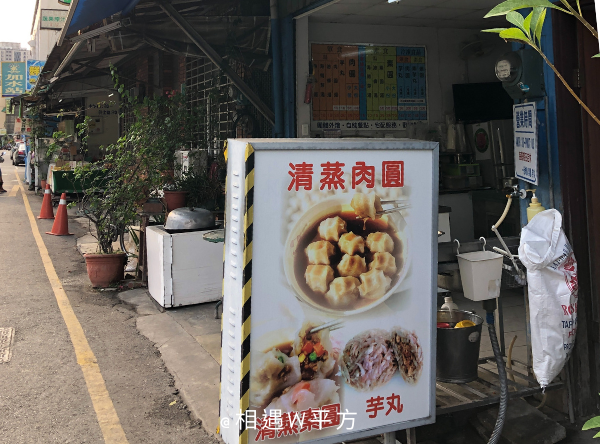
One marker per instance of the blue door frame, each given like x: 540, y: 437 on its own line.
x: 548, y: 190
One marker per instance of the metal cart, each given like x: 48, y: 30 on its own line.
x: 485, y: 390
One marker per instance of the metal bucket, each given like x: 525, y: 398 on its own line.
x: 458, y: 348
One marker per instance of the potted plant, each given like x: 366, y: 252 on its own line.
x: 205, y: 190
x: 108, y: 203
x: 175, y: 194
x: 113, y: 190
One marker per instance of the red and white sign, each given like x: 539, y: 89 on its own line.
x: 340, y: 333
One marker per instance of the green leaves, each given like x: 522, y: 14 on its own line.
x: 494, y: 30
x: 593, y: 423
x: 517, y: 19
x: 537, y: 22
x: 528, y: 30
x: 514, y: 34
x: 514, y: 5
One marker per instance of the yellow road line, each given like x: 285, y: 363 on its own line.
x: 105, y: 411
x: 14, y: 191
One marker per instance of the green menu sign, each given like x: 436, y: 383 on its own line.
x: 14, y: 78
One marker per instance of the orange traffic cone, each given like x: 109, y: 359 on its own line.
x: 47, y: 212
x: 61, y: 223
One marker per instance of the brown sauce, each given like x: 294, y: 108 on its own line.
x: 360, y: 227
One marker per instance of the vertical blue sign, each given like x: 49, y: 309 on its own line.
x: 14, y: 78
x: 526, y: 143
x: 34, y: 69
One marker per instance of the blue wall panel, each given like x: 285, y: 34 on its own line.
x: 548, y: 190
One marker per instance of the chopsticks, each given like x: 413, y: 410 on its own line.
x: 393, y: 210
x: 331, y: 325
x: 396, y: 201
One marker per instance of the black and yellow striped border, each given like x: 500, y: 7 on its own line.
x: 247, y: 289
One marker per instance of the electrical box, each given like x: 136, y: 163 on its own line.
x: 522, y: 74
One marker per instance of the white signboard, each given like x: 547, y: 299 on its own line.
x: 340, y: 343
x: 53, y: 18
x: 526, y: 142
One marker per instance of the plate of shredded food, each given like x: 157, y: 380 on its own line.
x: 371, y: 358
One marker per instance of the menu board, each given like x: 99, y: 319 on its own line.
x: 368, y: 87
x: 328, y: 315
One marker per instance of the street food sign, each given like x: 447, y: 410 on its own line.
x: 34, y: 69
x: 526, y: 142
x: 328, y: 304
x: 53, y: 18
x: 368, y: 87
x: 14, y: 78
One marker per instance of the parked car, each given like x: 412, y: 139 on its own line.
x: 19, y: 154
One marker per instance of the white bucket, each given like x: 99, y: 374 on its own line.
x: 480, y: 273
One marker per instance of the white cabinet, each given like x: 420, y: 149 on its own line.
x: 183, y: 268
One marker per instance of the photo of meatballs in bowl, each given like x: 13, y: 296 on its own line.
x: 344, y: 257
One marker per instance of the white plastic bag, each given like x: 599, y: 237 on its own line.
x: 552, y: 281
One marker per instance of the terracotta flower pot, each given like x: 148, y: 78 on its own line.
x: 104, y: 269
x: 175, y: 199
x: 43, y: 184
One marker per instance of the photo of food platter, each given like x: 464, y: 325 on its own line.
x: 314, y: 368
x: 344, y: 256
x: 296, y: 375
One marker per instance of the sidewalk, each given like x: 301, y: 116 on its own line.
x: 189, y: 341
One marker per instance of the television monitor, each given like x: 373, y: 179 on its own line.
x: 481, y: 102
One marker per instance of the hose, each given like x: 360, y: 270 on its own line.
x: 509, y: 358
x: 497, y: 432
x: 520, y: 276
x: 506, y: 209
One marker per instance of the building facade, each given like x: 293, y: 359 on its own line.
x: 48, y: 20
x: 13, y: 52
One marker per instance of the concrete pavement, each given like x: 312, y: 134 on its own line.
x: 187, y: 345
x: 43, y: 395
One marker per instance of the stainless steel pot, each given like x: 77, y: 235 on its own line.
x: 457, y: 348
x: 190, y: 219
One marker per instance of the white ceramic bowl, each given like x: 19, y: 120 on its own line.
x: 324, y: 209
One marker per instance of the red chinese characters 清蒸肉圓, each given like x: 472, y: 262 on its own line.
x: 332, y: 175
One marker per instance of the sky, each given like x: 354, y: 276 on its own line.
x: 16, y: 20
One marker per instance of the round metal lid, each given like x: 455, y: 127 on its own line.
x: 190, y: 219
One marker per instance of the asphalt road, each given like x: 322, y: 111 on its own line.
x: 43, y: 394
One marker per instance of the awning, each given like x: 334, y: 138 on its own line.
x: 84, y: 13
